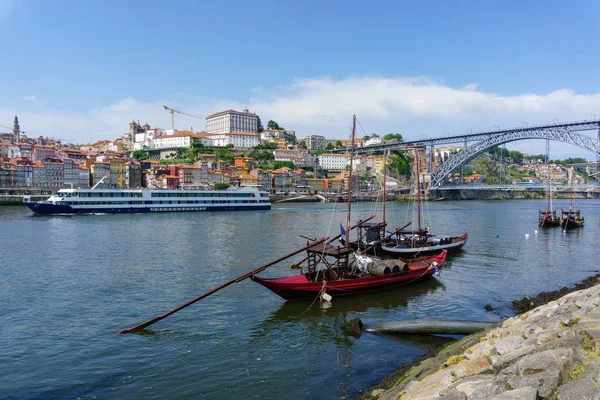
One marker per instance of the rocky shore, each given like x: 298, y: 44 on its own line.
x: 549, y: 352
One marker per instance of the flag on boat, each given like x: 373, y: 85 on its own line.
x: 343, y: 231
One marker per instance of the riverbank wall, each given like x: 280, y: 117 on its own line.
x: 506, y: 194
x: 549, y: 352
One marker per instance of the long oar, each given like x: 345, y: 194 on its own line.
x: 238, y: 279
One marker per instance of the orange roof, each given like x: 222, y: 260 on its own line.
x: 181, y: 133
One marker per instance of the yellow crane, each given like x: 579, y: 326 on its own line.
x: 173, y: 111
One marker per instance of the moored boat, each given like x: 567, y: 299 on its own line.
x: 415, y: 244
x: 338, y: 271
x: 420, y: 241
x: 81, y: 201
x: 571, y: 219
x: 342, y: 271
x: 547, y: 218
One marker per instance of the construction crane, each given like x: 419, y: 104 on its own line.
x: 173, y: 111
x: 12, y: 130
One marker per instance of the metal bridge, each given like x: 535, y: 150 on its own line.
x: 562, y: 132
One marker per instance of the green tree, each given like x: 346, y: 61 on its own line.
x: 282, y: 164
x: 260, y: 125
x: 339, y: 144
x: 274, y: 125
x: 393, y: 136
x: 329, y: 146
x: 400, y: 162
x: 140, y: 155
x: 576, y: 160
x: 221, y: 186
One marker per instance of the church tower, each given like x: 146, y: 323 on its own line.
x: 16, y: 130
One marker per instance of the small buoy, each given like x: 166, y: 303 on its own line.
x: 497, y: 235
x: 535, y: 231
x: 526, y: 235
x: 326, y: 297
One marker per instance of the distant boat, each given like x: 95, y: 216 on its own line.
x: 571, y: 219
x: 547, y: 218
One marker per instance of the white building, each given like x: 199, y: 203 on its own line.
x: 232, y: 121
x: 373, y: 140
x: 335, y: 162
x: 180, y: 139
x: 145, y: 140
x: 298, y: 157
x: 237, y: 139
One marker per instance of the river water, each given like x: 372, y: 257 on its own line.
x: 69, y: 283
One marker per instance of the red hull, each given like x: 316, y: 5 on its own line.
x: 298, y: 287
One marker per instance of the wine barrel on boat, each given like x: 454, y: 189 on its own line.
x: 396, y: 265
x: 379, y: 269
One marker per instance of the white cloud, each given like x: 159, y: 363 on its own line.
x: 415, y: 107
x: 32, y: 99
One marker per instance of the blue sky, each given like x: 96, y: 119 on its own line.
x: 81, y: 70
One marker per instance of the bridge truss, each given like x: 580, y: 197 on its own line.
x: 565, y: 132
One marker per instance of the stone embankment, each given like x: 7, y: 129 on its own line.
x: 549, y: 352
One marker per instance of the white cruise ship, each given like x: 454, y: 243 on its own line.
x: 81, y: 201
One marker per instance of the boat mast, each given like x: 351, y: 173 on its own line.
x: 385, y: 156
x: 347, y: 239
x: 572, y: 177
x: 418, y: 189
x: 549, y: 175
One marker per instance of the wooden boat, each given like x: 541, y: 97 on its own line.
x: 341, y: 271
x: 547, y: 218
x: 420, y: 241
x: 571, y: 219
x: 338, y: 271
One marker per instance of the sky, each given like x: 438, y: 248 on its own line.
x: 81, y: 71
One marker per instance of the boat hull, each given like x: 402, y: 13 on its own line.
x: 406, y: 251
x: 298, y: 287
x: 46, y: 208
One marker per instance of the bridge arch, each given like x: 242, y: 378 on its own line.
x: 444, y: 171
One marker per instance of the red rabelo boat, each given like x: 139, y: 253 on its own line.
x: 338, y: 271
x: 328, y: 271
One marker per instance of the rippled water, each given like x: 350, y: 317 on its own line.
x: 69, y: 283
